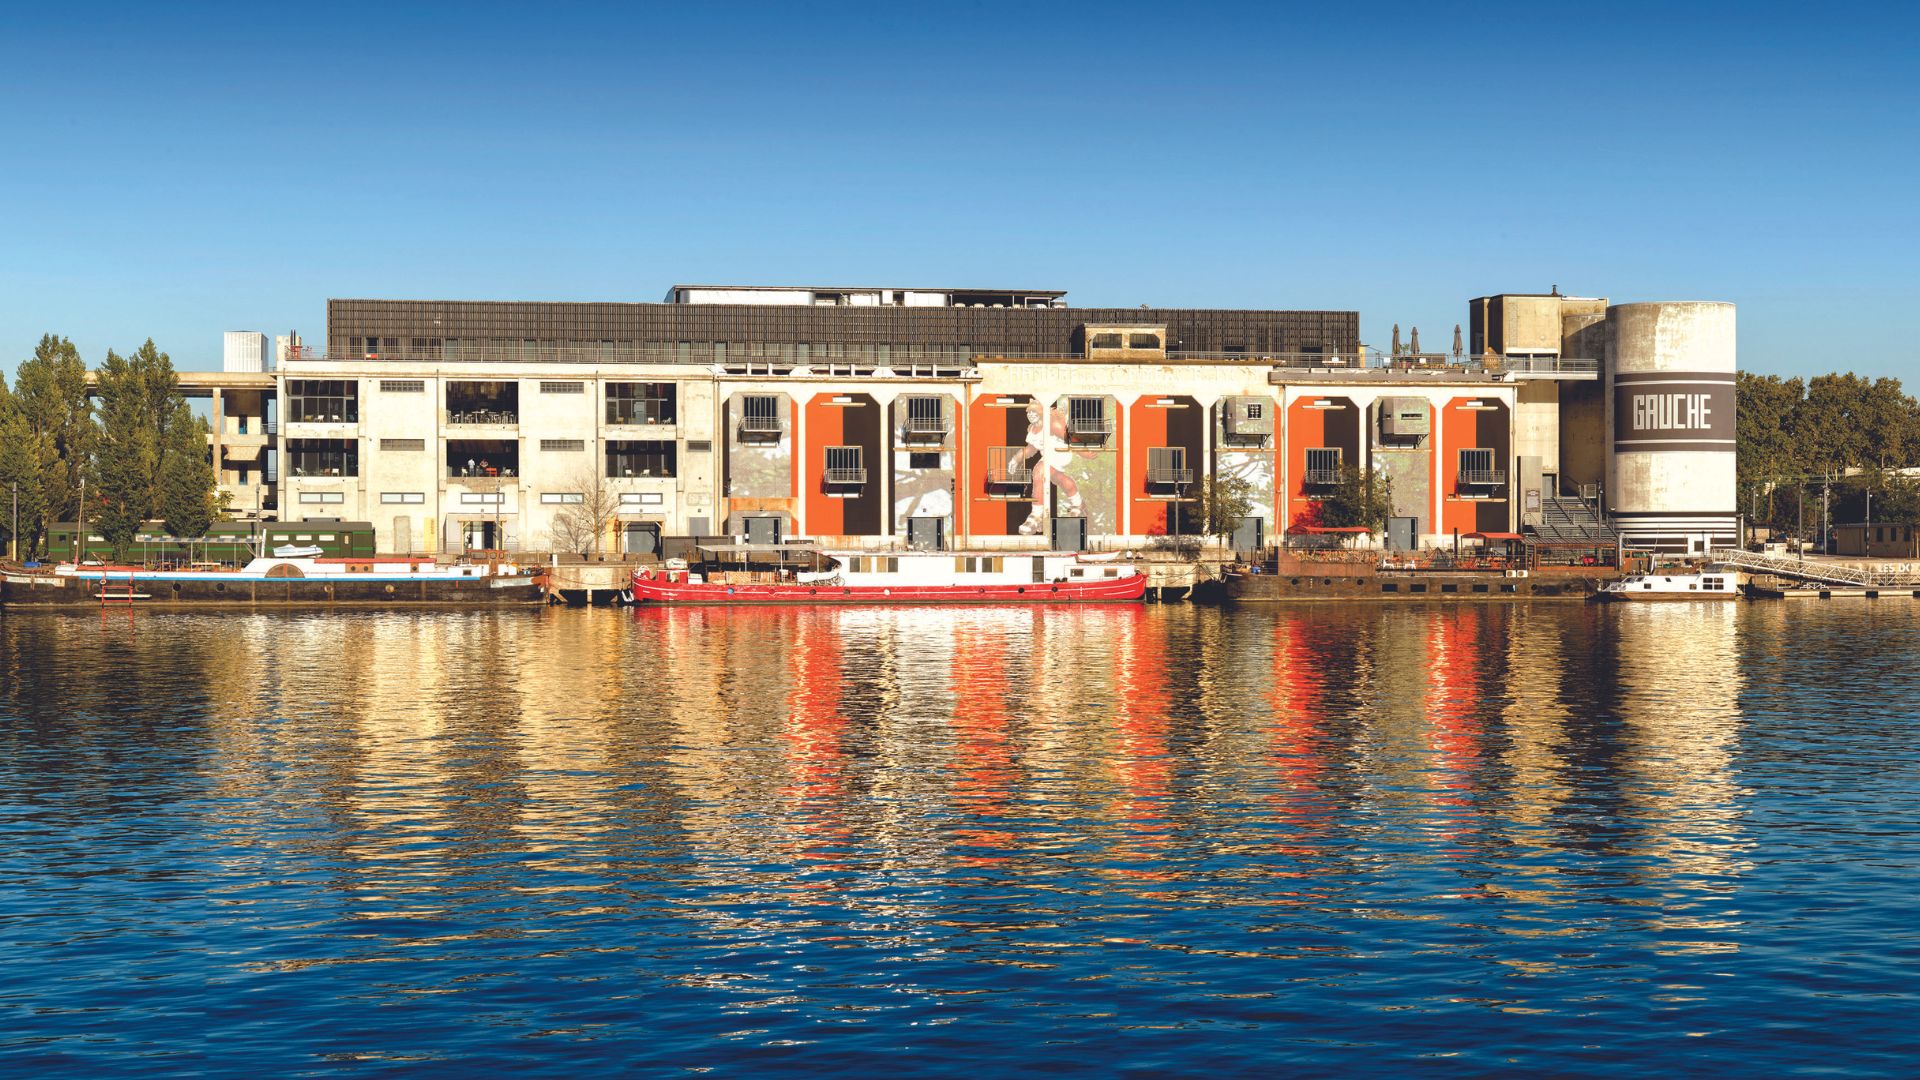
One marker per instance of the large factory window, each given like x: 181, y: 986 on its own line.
x: 324, y: 457
x: 323, y: 401
x: 640, y: 403
x: 645, y: 457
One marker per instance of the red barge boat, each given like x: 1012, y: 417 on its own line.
x: 779, y: 574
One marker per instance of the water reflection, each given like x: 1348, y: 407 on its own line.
x: 686, y: 833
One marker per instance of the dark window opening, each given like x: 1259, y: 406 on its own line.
x: 641, y: 403
x: 644, y: 457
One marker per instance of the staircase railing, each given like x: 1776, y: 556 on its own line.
x: 1830, y: 573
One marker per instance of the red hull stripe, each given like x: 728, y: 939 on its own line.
x: 658, y: 591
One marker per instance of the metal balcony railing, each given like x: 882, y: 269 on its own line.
x: 1007, y: 466
x: 639, y: 414
x: 926, y: 425
x: 847, y: 475
x: 483, y: 416
x: 1085, y: 427
x: 761, y: 425
x: 1322, y: 477
x: 1483, y: 477
x: 1169, y: 474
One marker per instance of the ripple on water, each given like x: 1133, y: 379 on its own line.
x: 1454, y: 838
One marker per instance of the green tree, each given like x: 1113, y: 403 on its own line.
x: 50, y: 400
x: 147, y: 439
x: 19, y: 474
x: 1224, y: 501
x: 1765, y: 407
x: 1362, y: 497
x: 187, y: 482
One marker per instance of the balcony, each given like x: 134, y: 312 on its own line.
x: 847, y: 476
x: 1089, y: 427
x: 1007, y: 466
x: 761, y: 425
x: 925, y: 427
x: 1322, y: 478
x: 1483, y: 477
x: 1169, y: 475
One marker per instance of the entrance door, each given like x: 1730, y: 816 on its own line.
x: 403, y: 535
x: 926, y: 533
x: 763, y: 530
x: 482, y: 535
x: 1069, y: 533
x: 1250, y: 534
x: 1401, y: 533
x: 643, y: 538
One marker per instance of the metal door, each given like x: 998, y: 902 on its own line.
x: 643, y: 538
x: 1069, y: 533
x: 1401, y: 533
x: 763, y: 530
x: 1250, y: 534
x: 697, y: 526
x: 403, y: 535
x: 926, y: 533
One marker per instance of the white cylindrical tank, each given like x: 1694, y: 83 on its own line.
x: 1670, y: 401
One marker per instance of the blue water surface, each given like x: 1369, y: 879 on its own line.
x: 1437, y: 840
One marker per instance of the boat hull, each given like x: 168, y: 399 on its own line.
x: 184, y: 590
x: 1100, y: 591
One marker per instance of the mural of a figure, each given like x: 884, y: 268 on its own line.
x: 1048, y: 456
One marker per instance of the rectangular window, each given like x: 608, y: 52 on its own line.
x: 641, y: 403
x: 403, y: 386
x: 323, y: 401
x: 1087, y: 416
x: 1168, y: 465
x: 638, y: 458
x: 403, y: 444
x: 845, y: 465
x: 1254, y: 410
x: 699, y: 446
x: 760, y: 414
x: 483, y: 498
x: 857, y: 564
x: 923, y: 460
x: 322, y: 497
x: 1323, y: 465
x: 926, y: 415
x: 562, y: 498
x: 323, y: 457
x: 563, y: 388
x: 404, y: 498
x: 1103, y: 341
x: 1477, y: 468
x: 563, y: 445
x: 1143, y: 341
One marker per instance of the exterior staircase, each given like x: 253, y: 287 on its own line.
x: 1571, y: 522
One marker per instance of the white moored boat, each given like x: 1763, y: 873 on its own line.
x: 1701, y: 585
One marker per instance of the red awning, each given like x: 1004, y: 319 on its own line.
x: 1491, y: 536
x: 1324, y: 530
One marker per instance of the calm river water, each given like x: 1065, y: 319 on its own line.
x: 1451, y: 840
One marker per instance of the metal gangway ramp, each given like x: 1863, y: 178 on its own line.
x: 1895, y: 577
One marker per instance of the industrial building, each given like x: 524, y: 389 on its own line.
x: 948, y: 417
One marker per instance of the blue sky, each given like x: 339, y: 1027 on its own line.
x: 177, y: 173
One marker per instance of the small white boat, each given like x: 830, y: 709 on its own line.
x: 1701, y: 585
